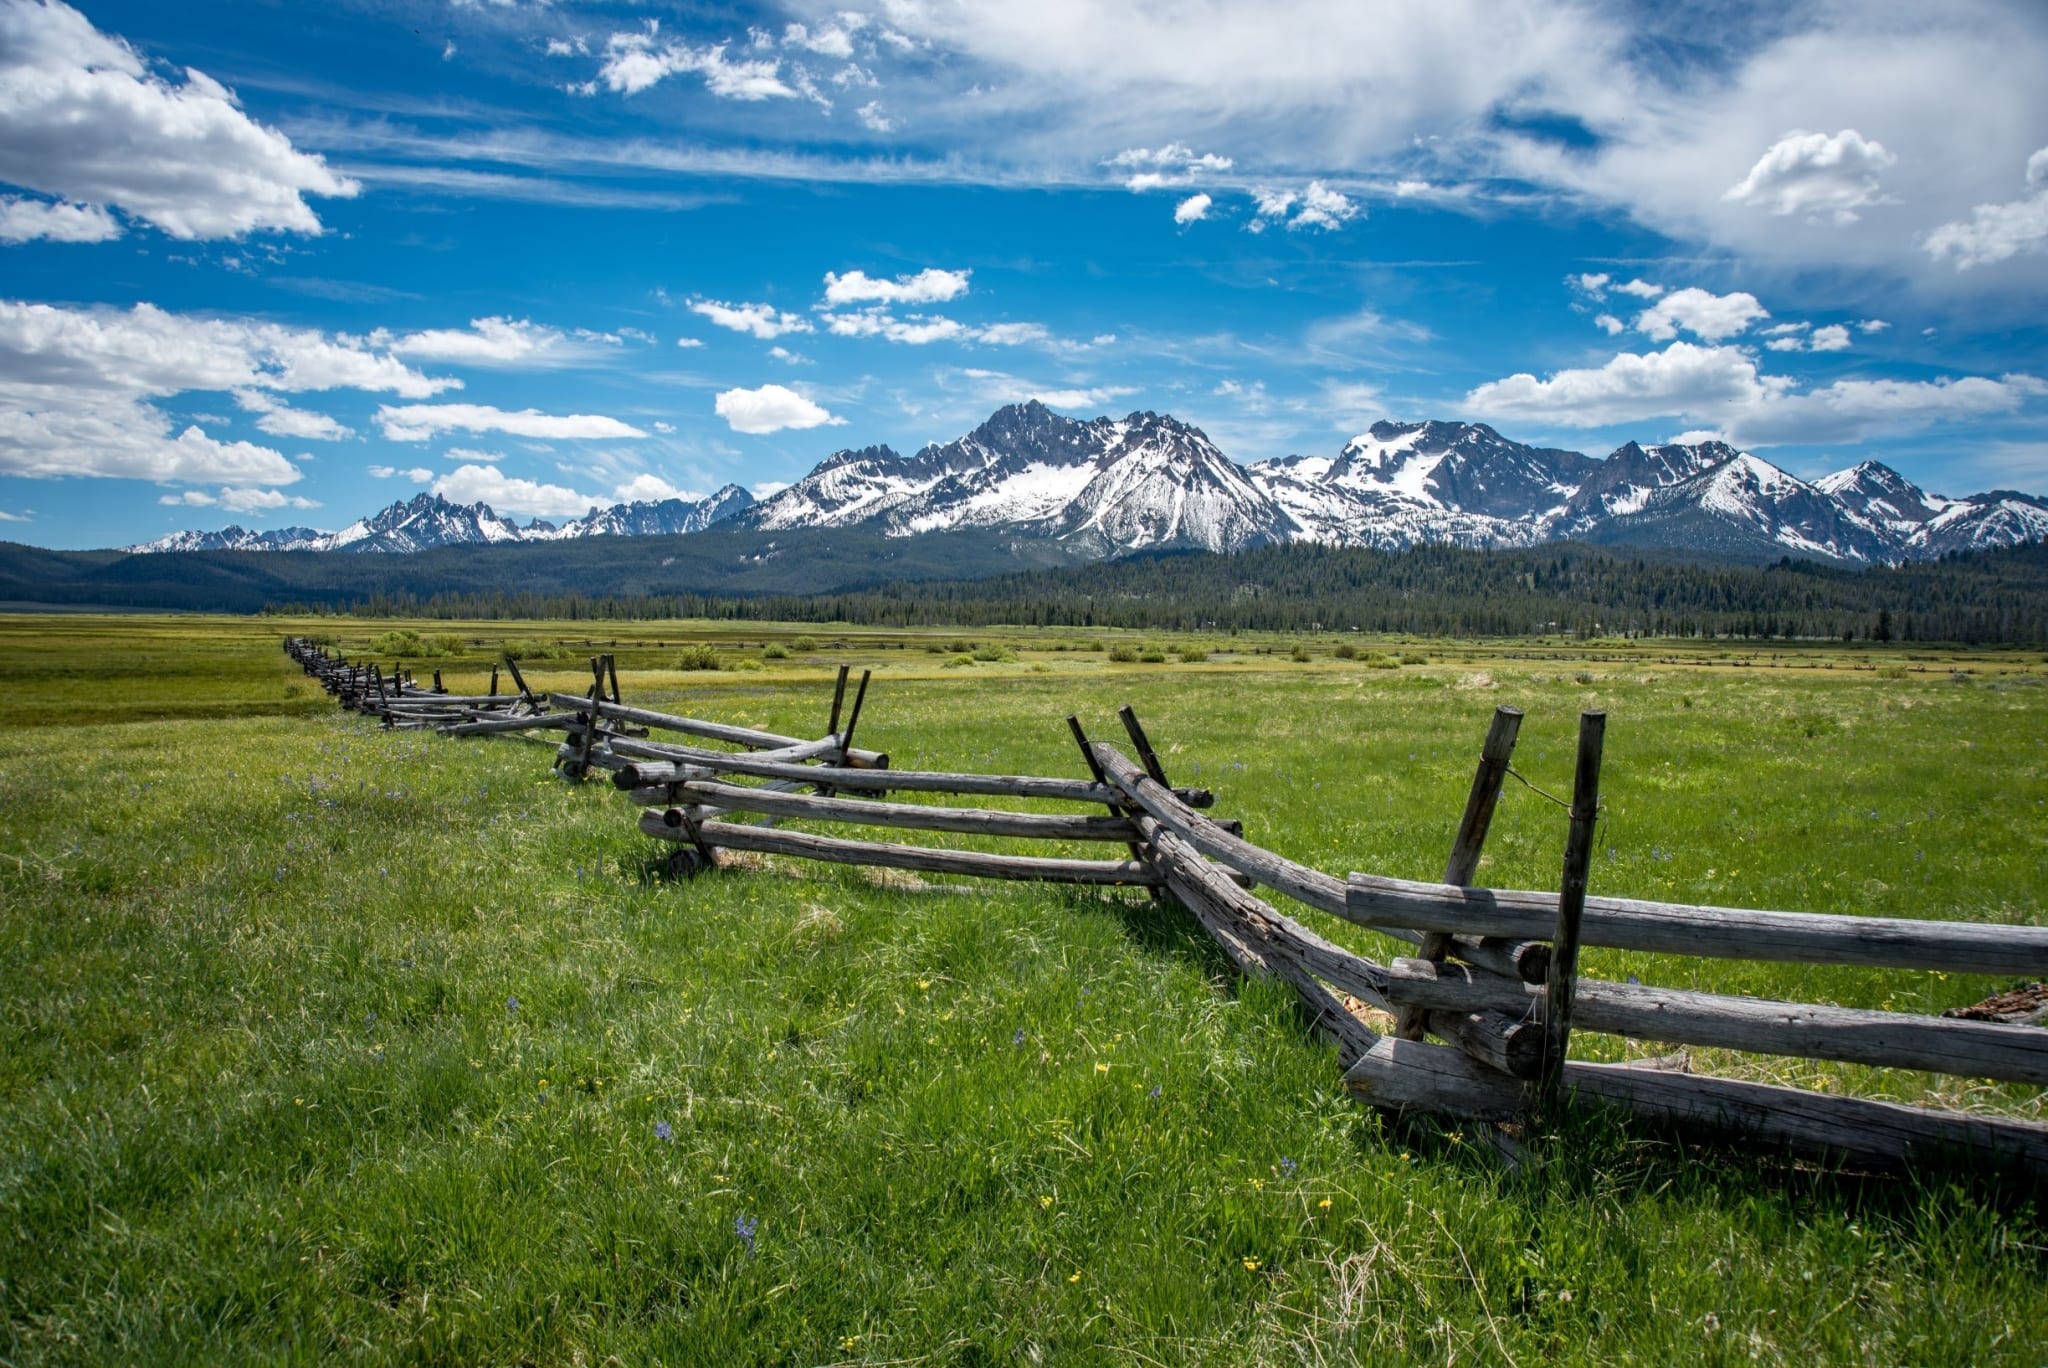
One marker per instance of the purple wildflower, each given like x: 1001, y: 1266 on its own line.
x: 1018, y: 1039
x: 663, y: 1131
x: 744, y: 1227
x: 1288, y: 1166
x: 1154, y: 1094
x: 511, y: 1006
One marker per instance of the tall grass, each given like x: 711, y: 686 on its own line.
x: 319, y: 1042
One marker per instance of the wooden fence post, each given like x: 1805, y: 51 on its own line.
x: 1471, y: 839
x: 1562, y: 981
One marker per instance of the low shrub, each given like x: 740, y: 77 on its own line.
x: 533, y: 650
x: 1193, y: 655
x: 774, y: 651
x: 1380, y: 660
x: 959, y: 662
x: 1124, y: 655
x: 1414, y: 658
x: 804, y: 643
x: 406, y: 644
x: 1152, y: 655
x: 745, y: 664
x: 701, y: 657
x: 1299, y: 655
x: 1346, y: 651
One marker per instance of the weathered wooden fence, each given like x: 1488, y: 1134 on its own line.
x: 1494, y: 975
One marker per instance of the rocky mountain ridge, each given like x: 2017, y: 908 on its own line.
x: 1108, y: 487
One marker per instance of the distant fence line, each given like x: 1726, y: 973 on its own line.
x: 1494, y: 974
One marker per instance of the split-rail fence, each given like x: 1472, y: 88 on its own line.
x: 1492, y: 975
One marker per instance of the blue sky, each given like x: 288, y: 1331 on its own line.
x: 279, y: 263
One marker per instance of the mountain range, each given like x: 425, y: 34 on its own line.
x: 1107, y: 487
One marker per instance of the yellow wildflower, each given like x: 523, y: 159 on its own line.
x: 1251, y: 1265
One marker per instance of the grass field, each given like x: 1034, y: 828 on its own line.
x: 322, y: 1043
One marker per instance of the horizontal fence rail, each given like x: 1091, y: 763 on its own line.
x: 1493, y: 974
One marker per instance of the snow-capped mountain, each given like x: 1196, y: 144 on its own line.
x: 427, y: 520
x: 1103, y: 487
x: 1400, y: 484
x: 1111, y: 486
x: 665, y: 518
x: 236, y: 538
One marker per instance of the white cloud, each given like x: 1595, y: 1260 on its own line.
x: 418, y: 422
x: 1681, y: 379
x: 1593, y: 284
x: 1611, y: 325
x: 1193, y: 209
x: 1705, y: 315
x: 689, y: 342
x: 77, y: 388
x: 646, y: 488
x: 1783, y: 329
x: 511, y: 494
x: 417, y: 474
x: 1995, y: 232
x: 1787, y: 344
x: 1641, y: 289
x: 1833, y: 338
x: 1721, y: 386
x: 83, y: 119
x: 280, y: 420
x: 1316, y: 206
x: 788, y: 357
x: 23, y: 220
x: 827, y: 40
x: 1174, y: 164
x: 760, y: 320
x: 1813, y: 173
x: 634, y: 61
x: 929, y: 286
x: 499, y: 342
x: 6, y: 516
x: 919, y: 330
x: 872, y: 115
x: 771, y: 408
x: 1872, y: 325
x: 237, y: 500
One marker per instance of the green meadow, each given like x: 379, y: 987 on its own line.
x: 320, y: 1043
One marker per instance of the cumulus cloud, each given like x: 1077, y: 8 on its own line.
x: 417, y: 474
x: 84, y: 120
x: 1193, y: 209
x: 1994, y: 232
x: 1681, y: 379
x: 511, y: 494
x: 1641, y: 289
x: 770, y: 408
x: 237, y: 500
x: 1316, y: 206
x: 1610, y: 325
x: 25, y: 220
x: 78, y: 391
x: 759, y: 320
x: 646, y: 488
x: 929, y: 286
x: 280, y: 420
x: 1705, y: 315
x: 827, y: 40
x: 1814, y: 173
x: 419, y: 422
x: 499, y: 342
x: 635, y: 61
x: 992, y: 387
x: 1833, y: 338
x: 1722, y: 387
x: 1157, y: 168
x: 874, y: 118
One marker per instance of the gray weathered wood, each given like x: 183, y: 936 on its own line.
x: 1412, y: 1075
x: 975, y: 863
x: 487, y: 726
x: 692, y: 726
x: 907, y: 781
x: 1723, y: 932
x: 910, y: 816
x: 1562, y: 981
x: 1323, y: 892
x: 1899, y: 1040
x: 1470, y: 842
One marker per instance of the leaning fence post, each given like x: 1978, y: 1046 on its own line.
x: 1562, y: 982
x: 1471, y: 840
